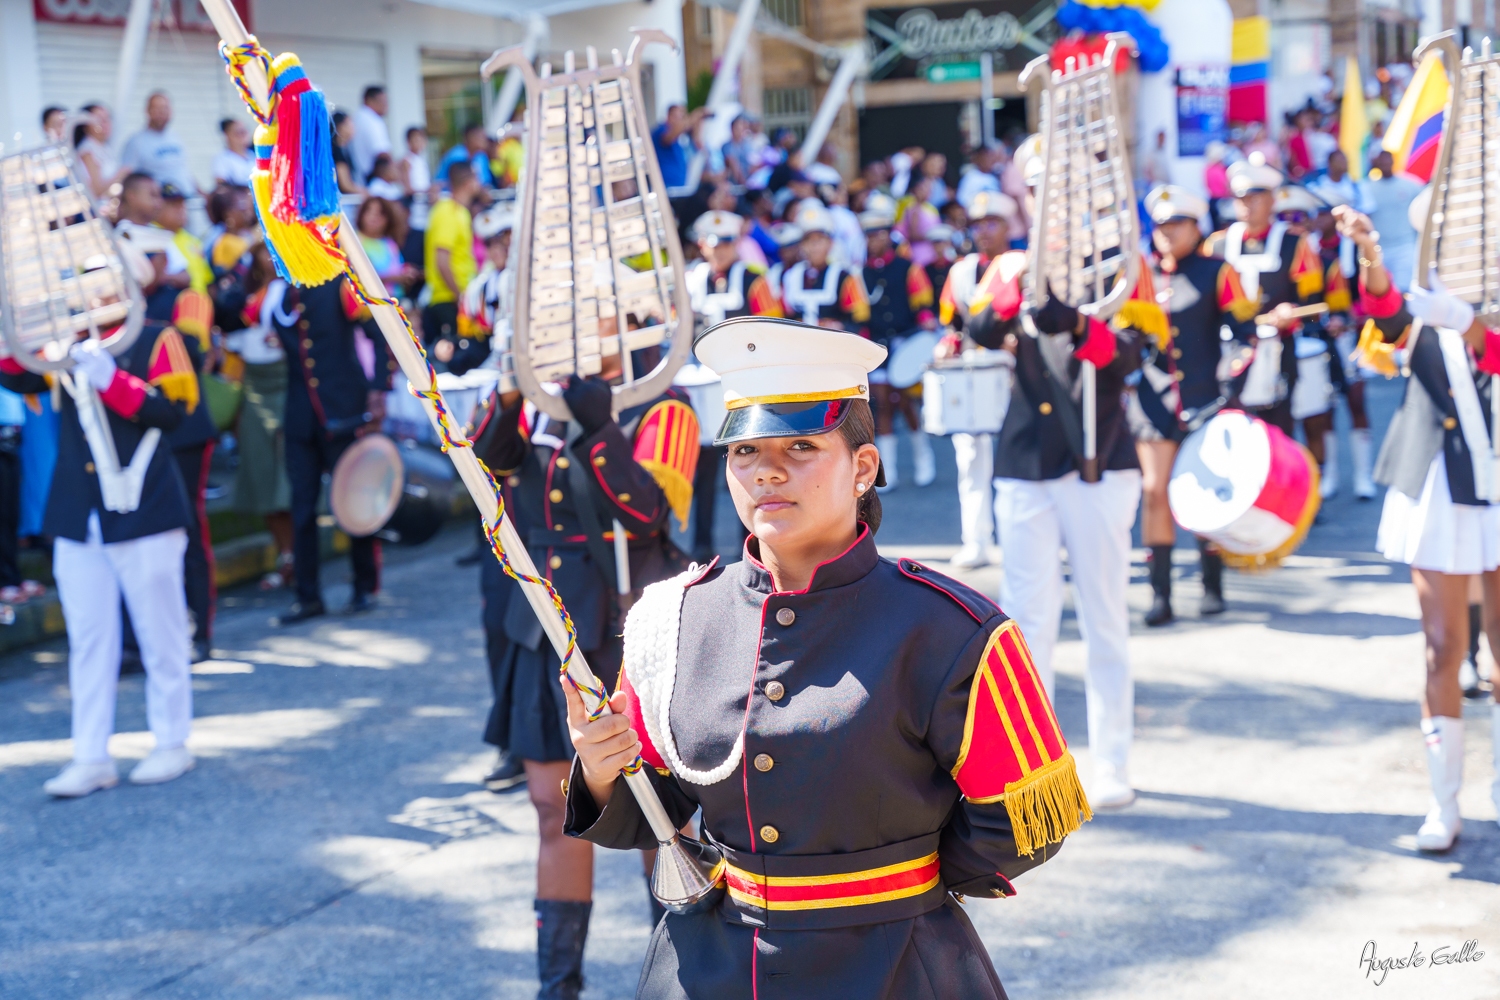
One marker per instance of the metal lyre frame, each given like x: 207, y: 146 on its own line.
x: 688, y: 874
x: 586, y: 132
x: 62, y: 273
x: 1085, y: 206
x: 1461, y: 235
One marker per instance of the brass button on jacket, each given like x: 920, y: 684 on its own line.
x: 555, y: 562
x: 769, y: 834
x: 1045, y: 409
x: 555, y: 496
x: 599, y: 460
x: 1449, y: 423
x: 563, y: 463
x: 89, y: 468
x: 775, y: 690
x: 763, y: 762
x: 785, y: 616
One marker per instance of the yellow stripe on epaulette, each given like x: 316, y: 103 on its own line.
x: 1148, y: 318
x: 178, y: 381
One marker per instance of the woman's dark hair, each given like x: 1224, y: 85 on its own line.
x: 858, y: 429
x: 395, y: 218
x: 81, y: 130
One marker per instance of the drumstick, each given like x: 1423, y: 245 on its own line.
x: 1299, y: 312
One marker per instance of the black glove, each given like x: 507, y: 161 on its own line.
x: 590, y: 400
x: 1056, y: 316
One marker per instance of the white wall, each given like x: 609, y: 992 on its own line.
x: 1197, y: 33
x: 609, y: 27
x: 21, y: 100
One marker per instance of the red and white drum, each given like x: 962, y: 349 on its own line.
x: 1247, y: 487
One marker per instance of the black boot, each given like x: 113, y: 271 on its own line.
x: 1213, y: 579
x: 1160, y: 562
x: 561, y: 928
x: 658, y: 912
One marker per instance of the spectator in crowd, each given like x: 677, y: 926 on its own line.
x: 783, y: 151
x: 343, y: 164
x: 140, y: 205
x: 1336, y: 186
x: 234, y: 163
x: 848, y: 235
x: 382, y: 231
x: 173, y: 217
x: 235, y: 229
x: 91, y: 141
x: 675, y: 145
x: 55, y: 125
x: 759, y: 210
x: 1258, y: 140
x: 1158, y: 166
x: 738, y: 151
x: 877, y: 176
x: 416, y: 175
x: 1013, y: 186
x: 935, y: 167
x: 510, y: 152
x: 371, y: 136
x: 156, y: 150
x: 915, y: 217
x: 1389, y: 197
x: 824, y: 169
x: 473, y: 151
x: 261, y: 487
x: 13, y: 589
x: 450, y: 264
x: 385, y: 179
x: 979, y: 175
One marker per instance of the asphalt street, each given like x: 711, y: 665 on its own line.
x: 334, y: 842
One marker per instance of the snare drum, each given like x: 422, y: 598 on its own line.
x: 910, y: 358
x: 967, y: 396
x: 1247, y: 487
x: 707, y: 395
x: 1313, y: 393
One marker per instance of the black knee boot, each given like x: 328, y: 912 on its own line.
x: 1160, y: 563
x: 561, y: 928
x: 1213, y: 579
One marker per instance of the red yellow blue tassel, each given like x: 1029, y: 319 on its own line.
x: 305, y: 253
x: 306, y: 186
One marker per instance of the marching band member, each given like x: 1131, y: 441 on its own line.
x: 898, y: 682
x: 488, y: 304
x: 330, y: 401
x: 566, y: 490
x: 1179, y: 378
x: 989, y: 215
x: 721, y: 285
x: 816, y: 291
x: 120, y: 523
x: 1440, y: 515
x: 900, y: 304
x: 1042, y: 503
x: 1277, y: 268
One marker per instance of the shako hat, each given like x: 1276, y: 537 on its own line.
x: 783, y: 378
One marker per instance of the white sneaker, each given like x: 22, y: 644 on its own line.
x: 1445, y: 770
x: 162, y: 765
x: 83, y: 777
x: 969, y: 557
x: 1361, y: 445
x: 1110, y: 790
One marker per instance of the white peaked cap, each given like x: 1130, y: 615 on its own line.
x: 991, y: 204
x: 1254, y: 174
x: 723, y: 225
x: 768, y: 361
x: 493, y: 222
x: 812, y: 217
x: 1168, y: 201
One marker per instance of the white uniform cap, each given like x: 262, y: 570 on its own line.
x: 783, y: 378
x: 720, y: 225
x: 494, y: 221
x: 991, y: 204
x: 785, y: 234
x: 1166, y: 202
x: 812, y: 217
x: 1294, y: 198
x: 1254, y: 174
x: 1029, y: 156
x: 871, y: 220
x: 880, y: 203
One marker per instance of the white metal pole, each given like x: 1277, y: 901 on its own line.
x: 849, y: 67
x: 734, y: 51
x: 132, y: 51
x: 537, y: 31
x: 986, y: 98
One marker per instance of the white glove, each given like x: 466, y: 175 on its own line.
x: 1434, y: 306
x: 94, y: 362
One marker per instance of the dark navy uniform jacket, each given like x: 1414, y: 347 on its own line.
x: 137, y: 400
x: 528, y: 453
x: 1036, y: 441
x: 327, y: 388
x: 900, y: 296
x: 855, y: 719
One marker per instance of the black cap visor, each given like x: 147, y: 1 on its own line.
x: 782, y: 420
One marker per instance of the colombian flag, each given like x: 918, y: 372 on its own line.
x: 1412, y: 138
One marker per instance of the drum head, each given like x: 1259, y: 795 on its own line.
x: 904, y: 370
x: 366, y: 485
x: 1220, y: 470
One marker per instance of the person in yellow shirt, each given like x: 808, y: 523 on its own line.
x: 449, y: 255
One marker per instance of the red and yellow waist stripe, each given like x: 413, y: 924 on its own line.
x: 821, y: 892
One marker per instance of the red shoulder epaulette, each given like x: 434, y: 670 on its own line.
x: 979, y: 607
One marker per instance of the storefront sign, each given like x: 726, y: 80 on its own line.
x: 183, y: 15
x: 1202, y: 105
x: 937, y: 42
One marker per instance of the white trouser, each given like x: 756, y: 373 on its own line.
x: 91, y: 579
x: 975, y: 454
x: 1093, y: 522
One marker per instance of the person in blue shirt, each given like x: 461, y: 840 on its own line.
x: 674, y: 143
x: 474, y: 150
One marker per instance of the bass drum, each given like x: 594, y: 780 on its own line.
x: 400, y: 494
x: 910, y: 358
x: 967, y: 396
x: 1246, y: 487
